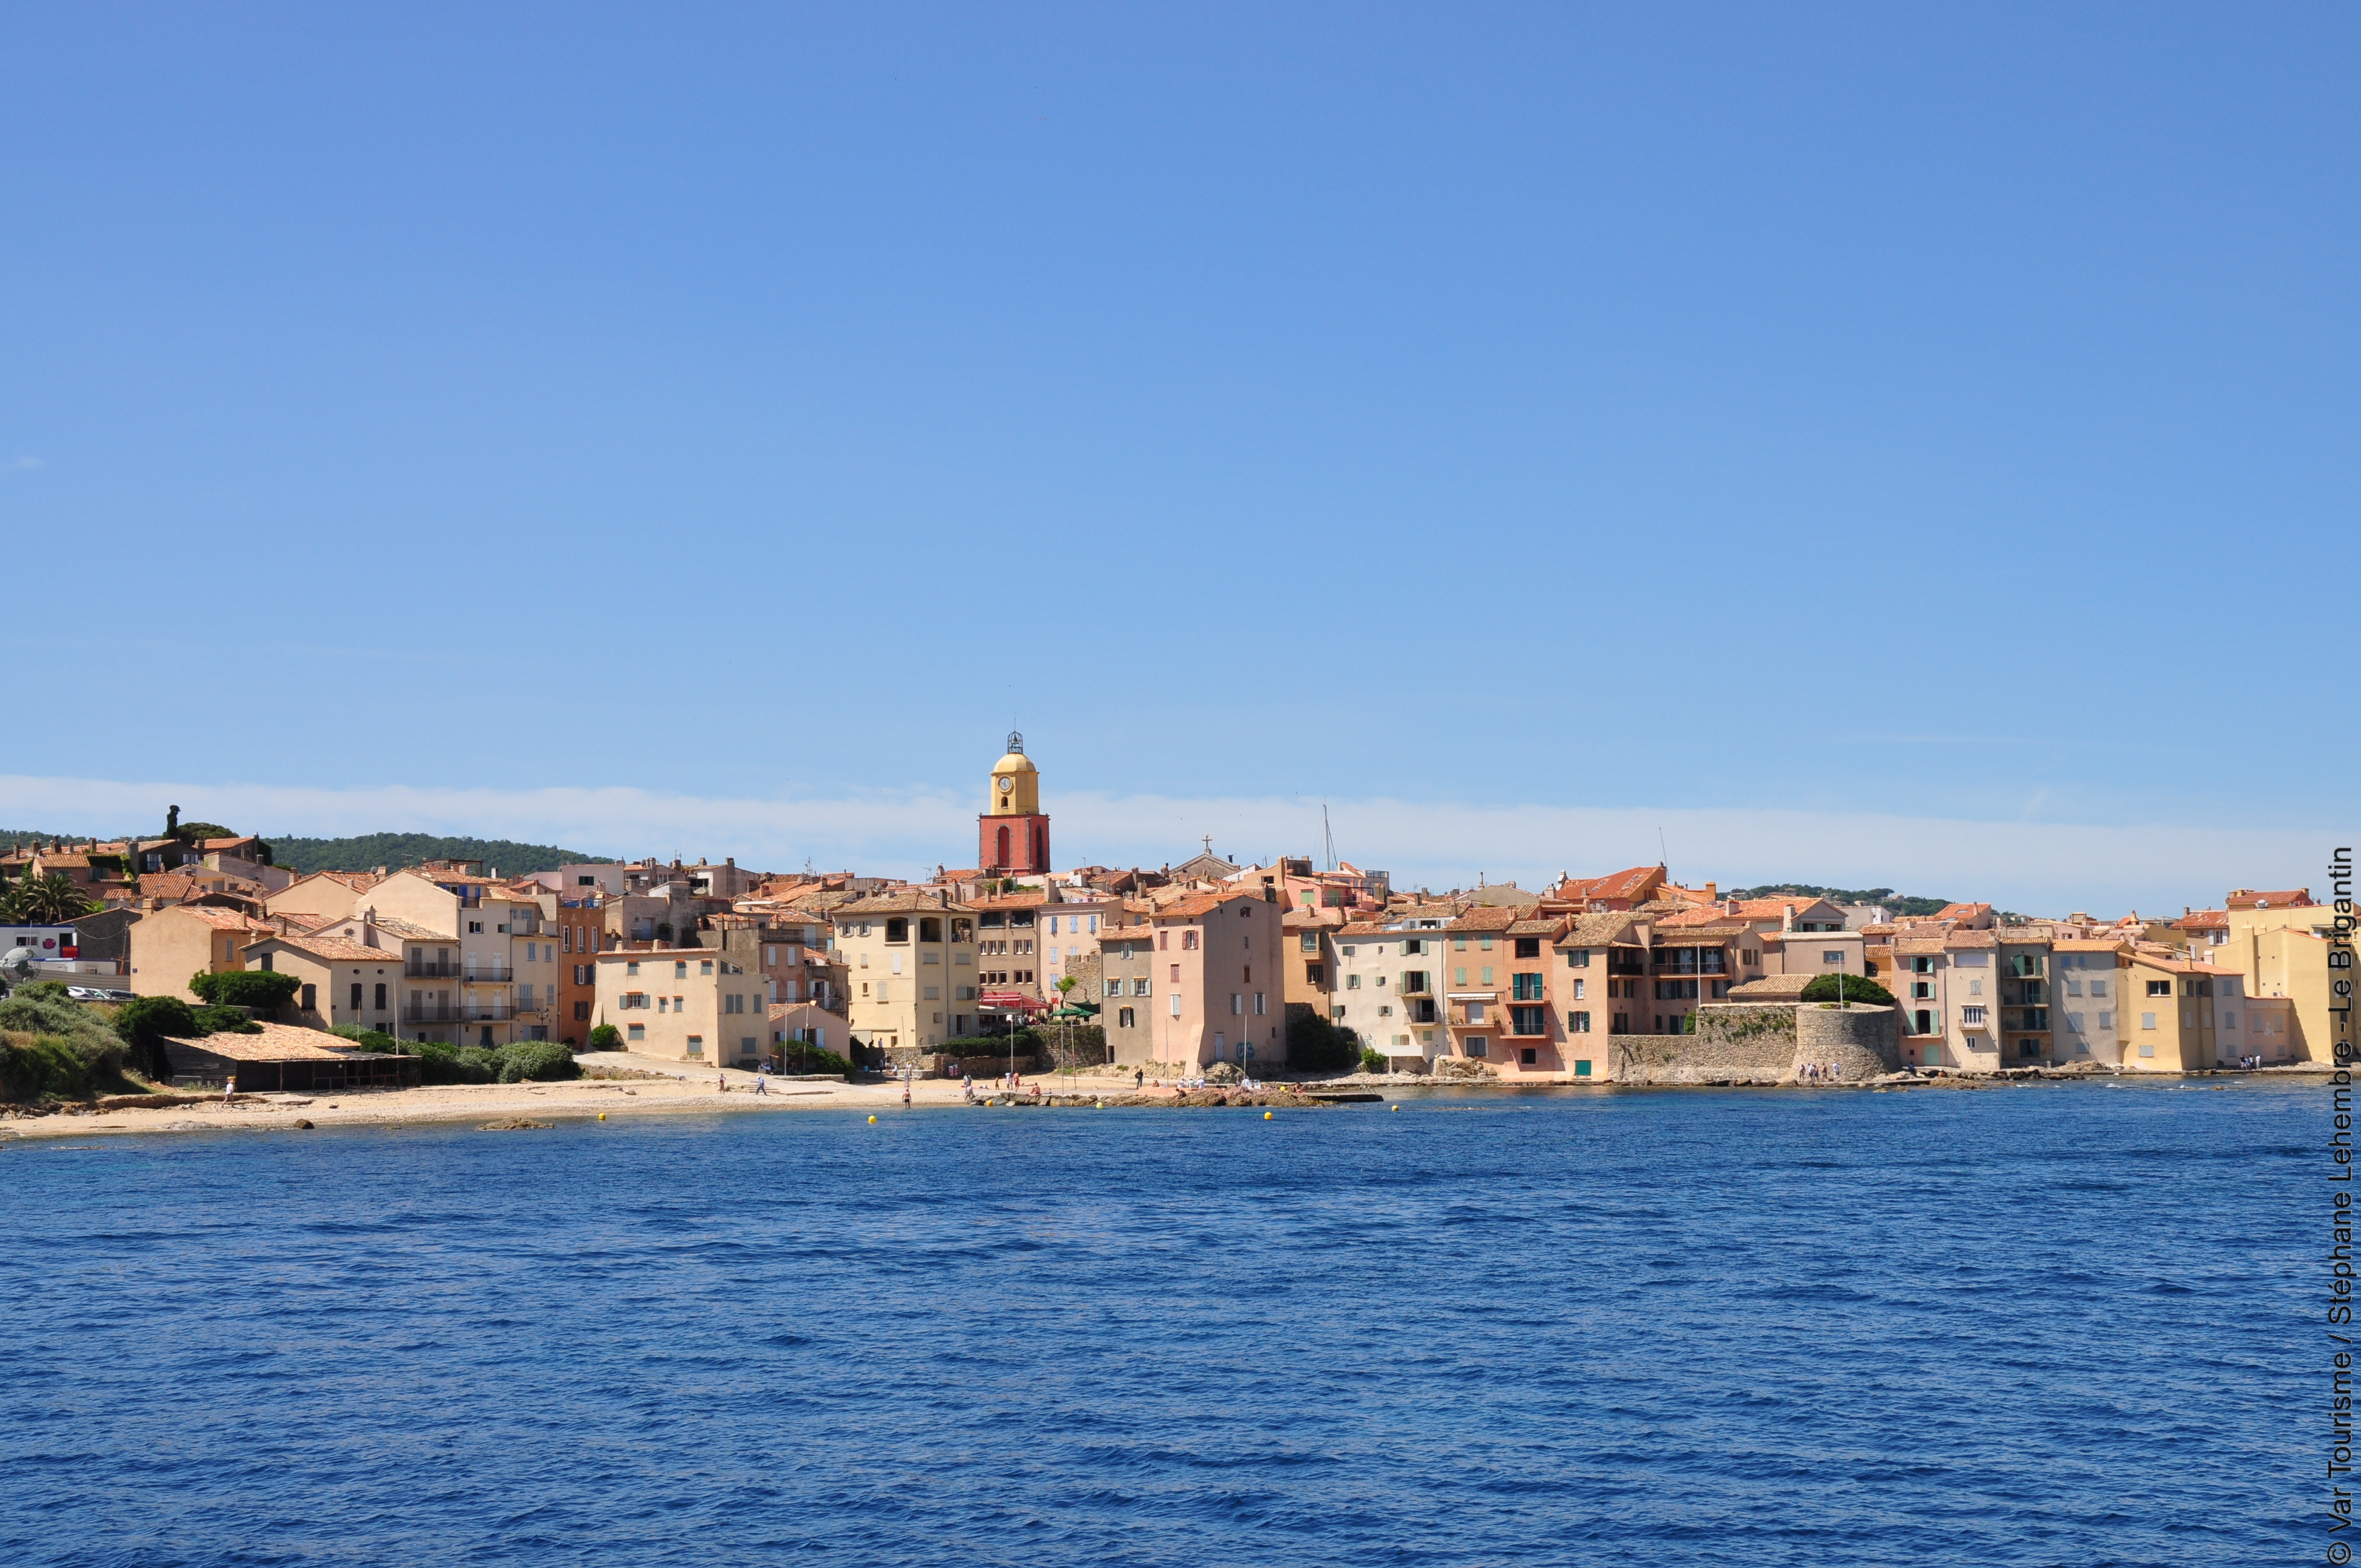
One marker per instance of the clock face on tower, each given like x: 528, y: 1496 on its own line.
x: 1006, y: 784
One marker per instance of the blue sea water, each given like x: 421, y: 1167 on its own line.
x: 2054, y: 1325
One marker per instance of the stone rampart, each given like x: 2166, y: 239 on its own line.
x: 1744, y: 1042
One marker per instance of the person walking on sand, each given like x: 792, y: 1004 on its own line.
x: 229, y: 1089
x: 762, y: 1082
x: 1138, y: 1079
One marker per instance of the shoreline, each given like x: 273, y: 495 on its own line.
x: 655, y: 1090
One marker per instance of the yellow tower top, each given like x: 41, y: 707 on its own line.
x: 1015, y: 782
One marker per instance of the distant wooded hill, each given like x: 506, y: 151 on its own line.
x: 395, y: 851
x: 1885, y: 896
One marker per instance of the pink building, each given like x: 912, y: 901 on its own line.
x: 1217, y: 991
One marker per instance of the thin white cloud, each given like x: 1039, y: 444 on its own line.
x: 26, y: 463
x: 2039, y: 867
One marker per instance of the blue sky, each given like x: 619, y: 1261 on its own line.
x: 1938, y: 413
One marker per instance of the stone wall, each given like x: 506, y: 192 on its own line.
x: 1859, y: 1042
x: 1764, y: 1043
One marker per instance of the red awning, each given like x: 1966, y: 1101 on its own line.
x: 1013, y: 1000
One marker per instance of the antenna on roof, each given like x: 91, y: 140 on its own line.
x: 1328, y: 835
x: 1663, y: 856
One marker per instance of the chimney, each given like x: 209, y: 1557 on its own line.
x: 1710, y: 890
x: 1787, y: 917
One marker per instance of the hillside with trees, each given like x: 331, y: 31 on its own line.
x: 395, y: 851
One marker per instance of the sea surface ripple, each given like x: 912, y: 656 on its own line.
x: 2036, y: 1325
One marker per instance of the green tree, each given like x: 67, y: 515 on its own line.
x: 261, y: 990
x: 51, y: 900
x: 146, y: 1024
x: 1854, y: 988
x: 606, y: 1038
x: 1315, y: 1044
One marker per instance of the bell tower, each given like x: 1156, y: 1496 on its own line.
x: 1013, y: 834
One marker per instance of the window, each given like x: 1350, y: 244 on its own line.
x: 1314, y: 974
x: 1140, y: 987
x: 1348, y: 950
x: 680, y: 969
x: 1477, y: 1046
x: 1582, y: 1067
x: 1528, y: 1056
x: 1114, y: 988
x: 1458, y: 944
x: 2148, y: 1050
x: 582, y: 1013
x: 2160, y: 988
x: 1311, y: 942
x: 2106, y: 1020
x: 2073, y: 1023
x: 1176, y: 1005
x: 2148, y: 1021
x: 1352, y: 982
x: 2098, y: 988
x: 1122, y: 1018
x: 381, y: 996
x: 1459, y: 974
x: 1475, y: 1013
x: 1525, y: 987
x: 311, y: 998
x: 663, y: 1003
x: 1413, y: 945
x: 1577, y: 1023
x: 1970, y: 1018
x: 704, y: 966
x: 475, y: 927
x: 1485, y: 974
x: 1833, y: 956
x: 1921, y: 989
x: 1238, y: 1004
x: 1527, y: 1021
x: 1577, y: 957
x: 356, y: 996
x: 1923, y: 1022
x: 1260, y: 1010
x: 635, y: 1032
x: 1577, y: 990
x: 1529, y: 947
x: 1485, y: 943
x: 697, y: 1045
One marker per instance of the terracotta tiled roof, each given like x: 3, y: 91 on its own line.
x: 278, y: 1042
x: 2091, y: 945
x: 1772, y: 988
x: 1616, y: 885
x: 1197, y: 904
x: 895, y: 901
x: 1363, y: 929
x: 1486, y: 917
x: 337, y: 949
x: 2285, y: 898
x: 169, y: 887
x: 226, y: 919
x: 1546, y: 927
x: 1601, y: 929
x: 1674, y: 934
x: 1960, y: 940
x: 1010, y: 900
x: 1906, y: 945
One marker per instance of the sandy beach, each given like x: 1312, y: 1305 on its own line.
x: 669, y: 1090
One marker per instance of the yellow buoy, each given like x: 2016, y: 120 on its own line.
x: 1393, y: 1107
x: 873, y: 1121
x: 1266, y: 1115
x: 602, y: 1115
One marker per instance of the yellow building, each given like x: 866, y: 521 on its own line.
x: 910, y: 971
x: 2281, y: 944
x: 170, y: 945
x: 685, y: 1004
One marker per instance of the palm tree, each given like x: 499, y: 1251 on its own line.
x: 51, y: 901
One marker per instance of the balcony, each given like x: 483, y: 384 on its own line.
x: 488, y: 1012
x: 1973, y: 1018
x: 432, y: 969
x: 430, y: 1012
x: 1690, y: 961
x: 488, y: 974
x: 2034, y: 1020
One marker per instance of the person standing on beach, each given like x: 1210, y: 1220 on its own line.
x: 229, y: 1089
x: 720, y: 1084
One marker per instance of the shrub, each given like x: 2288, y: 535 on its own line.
x: 537, y: 1061
x: 480, y: 1063
x: 439, y: 1063
x: 261, y: 990
x: 226, y: 1021
x: 1823, y: 988
x: 143, y: 1024
x: 1371, y: 1062
x: 606, y: 1038
x: 805, y: 1058
x: 1028, y: 1043
x: 53, y: 1046
x: 1316, y: 1045
x: 368, y: 1039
